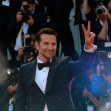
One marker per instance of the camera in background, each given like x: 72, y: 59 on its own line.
x: 12, y: 74
x: 25, y: 14
x: 99, y: 10
x: 28, y: 49
x: 95, y: 3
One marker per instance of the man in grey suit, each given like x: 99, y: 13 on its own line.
x: 44, y: 83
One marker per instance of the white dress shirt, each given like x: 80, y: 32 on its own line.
x: 18, y: 44
x: 23, y: 28
x: 41, y: 78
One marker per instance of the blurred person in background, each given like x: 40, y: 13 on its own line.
x: 81, y: 95
x: 100, y: 87
x: 98, y: 84
x: 28, y: 19
x: 5, y: 95
x: 89, y: 7
x: 100, y: 20
x: 27, y: 53
x: 57, y: 12
x: 106, y: 73
x: 7, y: 8
x: 103, y: 28
x: 105, y: 95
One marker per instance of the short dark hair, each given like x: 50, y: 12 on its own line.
x: 29, y: 1
x: 45, y: 31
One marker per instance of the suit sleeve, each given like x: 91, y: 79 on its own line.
x: 82, y: 65
x: 13, y: 26
x: 21, y: 95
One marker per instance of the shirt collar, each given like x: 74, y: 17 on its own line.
x: 39, y: 61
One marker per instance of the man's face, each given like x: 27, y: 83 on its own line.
x: 30, y: 6
x: 24, y: 3
x: 101, y: 16
x: 46, y: 47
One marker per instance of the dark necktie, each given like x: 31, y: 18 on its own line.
x: 42, y: 65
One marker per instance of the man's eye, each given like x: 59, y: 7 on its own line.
x: 45, y: 43
x: 54, y: 44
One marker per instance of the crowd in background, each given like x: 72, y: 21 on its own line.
x: 20, y: 20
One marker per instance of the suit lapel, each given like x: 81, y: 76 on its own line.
x: 54, y: 64
x: 33, y: 70
x: 32, y: 75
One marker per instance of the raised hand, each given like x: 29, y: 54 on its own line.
x: 30, y: 21
x: 89, y: 36
x: 106, y: 12
x: 85, y: 92
x: 12, y: 88
x: 19, y: 17
x: 20, y: 53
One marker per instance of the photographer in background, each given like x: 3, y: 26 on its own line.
x: 26, y: 20
x: 27, y: 53
x: 12, y: 79
x: 8, y: 87
x: 103, y: 28
x: 7, y: 8
x: 89, y: 7
x: 57, y: 12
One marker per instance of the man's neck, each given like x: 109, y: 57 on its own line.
x: 44, y: 60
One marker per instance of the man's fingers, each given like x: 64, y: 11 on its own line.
x: 84, y: 29
x: 88, y: 29
x: 92, y: 34
x: 30, y: 17
x: 89, y: 26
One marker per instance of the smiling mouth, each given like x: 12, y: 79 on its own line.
x: 51, y: 53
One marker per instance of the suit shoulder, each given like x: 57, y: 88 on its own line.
x: 39, y: 12
x: 28, y: 64
x: 66, y: 58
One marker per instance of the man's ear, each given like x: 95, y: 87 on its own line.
x: 37, y: 45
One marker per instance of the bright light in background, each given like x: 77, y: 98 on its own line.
x: 106, y: 108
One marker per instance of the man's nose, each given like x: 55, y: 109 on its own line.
x: 50, y: 47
